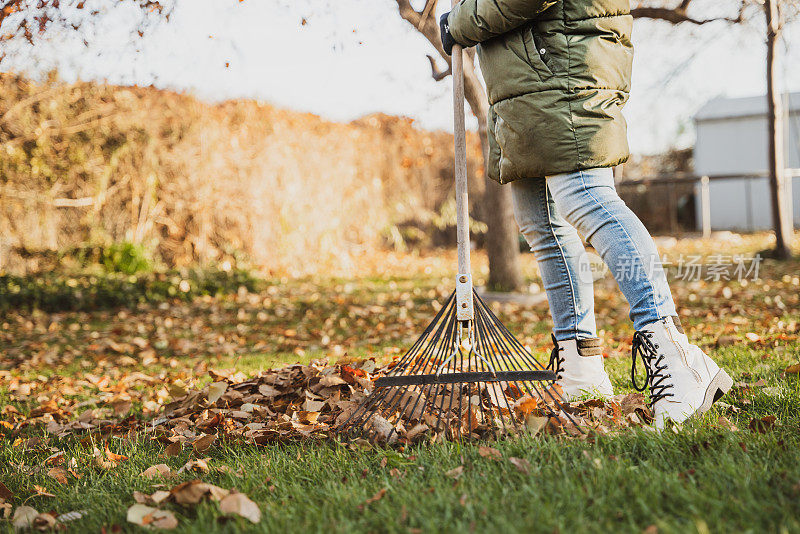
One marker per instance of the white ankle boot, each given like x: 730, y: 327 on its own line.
x: 578, y: 364
x: 683, y: 380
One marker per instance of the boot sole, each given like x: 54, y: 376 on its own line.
x: 719, y: 386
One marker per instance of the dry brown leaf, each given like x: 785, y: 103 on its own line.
x: 455, y: 472
x: 114, y: 458
x: 194, y: 491
x: 378, y: 496
x: 792, y: 369
x: 200, y: 465
x: 158, y: 470
x: 525, y: 405
x: 145, y: 516
x: 239, y: 504
x: 216, y: 390
x: 204, y: 442
x: 522, y: 465
x: 5, y: 493
x: 724, y: 422
x: 42, y: 491
x: 24, y: 517
x: 174, y: 449
x: 489, y: 452
x: 307, y: 417
x: 331, y: 381
x: 763, y: 425
x: 535, y: 424
x: 59, y: 474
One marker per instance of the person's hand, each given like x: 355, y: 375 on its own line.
x: 447, y: 37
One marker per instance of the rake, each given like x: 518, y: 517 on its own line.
x: 466, y: 375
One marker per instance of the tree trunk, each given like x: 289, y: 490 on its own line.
x: 784, y: 230
x: 501, y: 236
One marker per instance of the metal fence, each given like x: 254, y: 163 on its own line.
x: 684, y: 203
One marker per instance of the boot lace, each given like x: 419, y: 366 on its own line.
x: 556, y: 363
x: 655, y: 375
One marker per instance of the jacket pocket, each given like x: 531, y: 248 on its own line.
x: 535, y: 49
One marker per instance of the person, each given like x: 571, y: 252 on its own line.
x: 557, y: 75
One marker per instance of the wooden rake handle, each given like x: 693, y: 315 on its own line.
x: 464, y: 302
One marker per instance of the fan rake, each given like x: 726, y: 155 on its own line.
x: 460, y: 379
x: 466, y: 375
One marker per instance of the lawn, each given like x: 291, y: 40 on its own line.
x: 736, y: 469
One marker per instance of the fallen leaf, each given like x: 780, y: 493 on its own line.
x: 59, y: 474
x: 378, y: 496
x: 762, y: 425
x: 308, y: 418
x: 239, y: 504
x: 42, y: 491
x: 174, y: 449
x: 216, y: 390
x: 331, y: 381
x: 752, y: 336
x: 455, y: 472
x: 204, y: 442
x: 199, y: 465
x: 66, y: 517
x: 535, y: 424
x: 792, y: 369
x: 158, y: 470
x: 5, y: 493
x: 145, y: 516
x: 489, y: 452
x: 525, y: 405
x: 522, y: 465
x: 114, y: 458
x: 725, y: 423
x: 23, y: 517
x: 194, y: 491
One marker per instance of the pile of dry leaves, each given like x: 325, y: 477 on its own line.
x: 311, y: 401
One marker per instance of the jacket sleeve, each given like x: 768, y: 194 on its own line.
x: 474, y: 21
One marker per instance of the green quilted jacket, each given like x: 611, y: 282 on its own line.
x: 557, y: 75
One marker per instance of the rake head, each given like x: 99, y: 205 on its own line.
x: 460, y: 379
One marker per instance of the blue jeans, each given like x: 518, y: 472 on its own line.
x: 552, y: 211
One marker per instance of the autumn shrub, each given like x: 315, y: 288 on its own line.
x: 193, y: 182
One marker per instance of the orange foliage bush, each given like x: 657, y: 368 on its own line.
x: 194, y: 181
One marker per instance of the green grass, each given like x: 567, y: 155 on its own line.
x: 700, y: 478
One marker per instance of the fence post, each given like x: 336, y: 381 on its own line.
x: 705, y: 206
x: 789, y: 196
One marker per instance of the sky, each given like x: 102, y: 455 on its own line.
x: 360, y: 57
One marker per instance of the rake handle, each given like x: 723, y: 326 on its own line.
x: 460, y: 145
x: 465, y: 311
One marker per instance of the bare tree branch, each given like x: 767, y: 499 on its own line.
x: 680, y: 14
x: 430, y: 7
x: 436, y: 72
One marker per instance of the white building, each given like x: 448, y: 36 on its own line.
x: 732, y: 140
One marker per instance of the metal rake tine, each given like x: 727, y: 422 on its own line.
x: 426, y: 333
x: 481, y: 334
x: 442, y: 347
x: 481, y: 342
x: 439, y: 341
x: 376, y: 397
x: 440, y: 344
x: 502, y: 340
x: 491, y: 355
x: 497, y: 340
x: 453, y: 389
x: 560, y: 401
